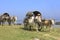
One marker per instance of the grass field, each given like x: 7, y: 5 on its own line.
x: 16, y: 32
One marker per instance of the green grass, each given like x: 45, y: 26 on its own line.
x: 16, y: 32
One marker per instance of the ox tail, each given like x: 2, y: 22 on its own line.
x: 53, y: 21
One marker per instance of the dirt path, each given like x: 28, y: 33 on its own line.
x: 57, y: 38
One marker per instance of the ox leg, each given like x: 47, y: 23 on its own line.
x: 40, y: 26
x: 2, y: 23
x: 36, y: 27
x: 29, y: 27
x: 9, y: 22
x: 49, y: 28
x: 25, y: 26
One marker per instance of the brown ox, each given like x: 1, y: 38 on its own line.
x: 48, y: 23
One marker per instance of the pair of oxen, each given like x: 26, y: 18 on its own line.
x: 33, y: 20
x: 7, y: 18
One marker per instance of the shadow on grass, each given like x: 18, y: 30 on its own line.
x: 32, y: 30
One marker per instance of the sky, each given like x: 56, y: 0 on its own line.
x: 19, y: 8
